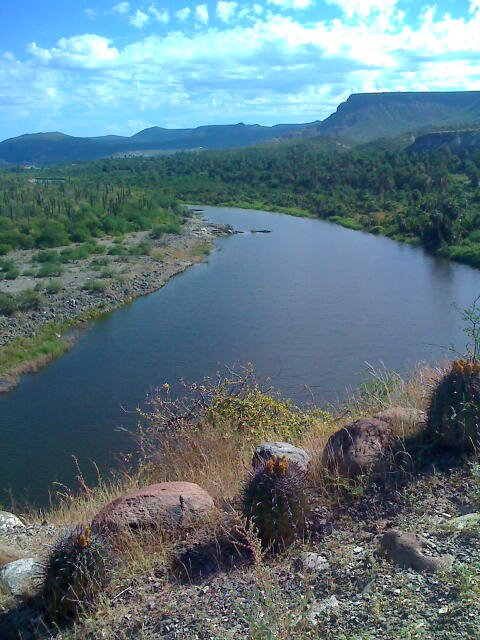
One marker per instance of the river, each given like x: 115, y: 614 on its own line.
x: 308, y: 304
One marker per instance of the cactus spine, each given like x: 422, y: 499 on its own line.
x: 275, y: 503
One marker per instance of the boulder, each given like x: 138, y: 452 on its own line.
x: 403, y: 420
x: 20, y: 577
x: 266, y: 450
x: 468, y: 522
x: 9, y: 521
x: 359, y: 448
x: 312, y: 563
x: 408, y: 551
x: 160, y: 506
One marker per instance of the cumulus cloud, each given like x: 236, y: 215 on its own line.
x: 201, y: 13
x: 161, y: 15
x: 122, y: 8
x: 182, y: 14
x: 364, y: 8
x: 88, y: 50
x: 226, y: 10
x: 292, y: 4
x: 139, y: 19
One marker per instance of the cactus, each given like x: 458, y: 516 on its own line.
x: 454, y: 411
x: 275, y: 502
x: 77, y: 569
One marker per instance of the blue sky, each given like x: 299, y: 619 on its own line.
x: 88, y: 67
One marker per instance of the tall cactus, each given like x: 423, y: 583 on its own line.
x: 454, y: 411
x: 275, y: 503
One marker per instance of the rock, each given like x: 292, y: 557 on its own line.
x: 310, y: 562
x: 8, y: 554
x: 403, y: 420
x: 164, y: 505
x: 315, y: 611
x: 20, y: 577
x: 9, y: 521
x: 268, y: 449
x: 463, y: 523
x: 359, y: 448
x: 407, y: 551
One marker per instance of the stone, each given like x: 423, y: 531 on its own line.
x: 404, y: 421
x: 362, y: 447
x: 407, y: 551
x: 266, y: 450
x: 310, y: 562
x: 20, y: 577
x: 162, y: 506
x: 464, y: 523
x: 330, y: 604
x: 9, y: 521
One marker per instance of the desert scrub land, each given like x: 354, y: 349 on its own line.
x: 390, y: 550
x: 56, y: 291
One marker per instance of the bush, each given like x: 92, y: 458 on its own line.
x: 8, y: 305
x: 50, y: 270
x: 141, y: 249
x: 46, y: 256
x: 53, y: 287
x: 51, y: 234
x: 28, y: 299
x: 100, y: 262
x: 8, y: 270
x: 95, y: 286
x: 174, y: 226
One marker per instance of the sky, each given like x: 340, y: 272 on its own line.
x: 95, y: 67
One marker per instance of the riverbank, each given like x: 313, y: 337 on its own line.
x: 82, y: 290
x: 213, y: 581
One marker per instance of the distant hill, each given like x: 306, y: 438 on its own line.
x: 363, y: 118
x: 454, y: 140
x: 369, y: 116
x: 50, y: 148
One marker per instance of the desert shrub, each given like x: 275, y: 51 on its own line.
x: 76, y: 572
x: 201, y: 250
x: 100, y: 262
x: 173, y: 226
x: 276, y: 503
x: 47, y: 255
x: 141, y: 249
x: 51, y: 234
x: 8, y: 305
x: 53, y: 287
x: 28, y: 300
x: 95, y: 286
x: 50, y: 270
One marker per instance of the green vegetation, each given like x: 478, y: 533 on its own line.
x: 81, y: 203
x: 95, y: 286
x: 201, y: 250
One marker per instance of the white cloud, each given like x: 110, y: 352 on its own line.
x: 183, y: 14
x: 364, y: 8
x: 474, y: 6
x: 139, y: 19
x: 162, y: 15
x: 257, y: 9
x: 88, y: 50
x: 226, y: 10
x: 91, y: 13
x: 292, y: 4
x: 201, y: 13
x: 122, y: 8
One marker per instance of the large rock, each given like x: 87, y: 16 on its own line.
x: 162, y: 506
x: 408, y: 551
x: 9, y: 521
x: 9, y: 554
x: 20, y: 577
x: 404, y: 421
x: 362, y: 447
x: 268, y: 449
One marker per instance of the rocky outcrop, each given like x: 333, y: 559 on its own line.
x: 268, y: 449
x: 20, y: 577
x: 9, y: 521
x: 160, y: 506
x: 408, y: 551
x: 363, y: 447
x: 404, y: 421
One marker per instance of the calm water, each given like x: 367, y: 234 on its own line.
x: 308, y: 304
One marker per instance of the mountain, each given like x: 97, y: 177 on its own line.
x: 368, y: 116
x: 363, y: 118
x: 454, y: 140
x: 50, y: 148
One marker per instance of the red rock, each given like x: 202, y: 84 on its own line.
x: 359, y: 448
x: 163, y: 506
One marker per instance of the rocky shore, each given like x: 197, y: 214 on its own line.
x: 128, y: 277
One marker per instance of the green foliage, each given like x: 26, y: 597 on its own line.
x: 8, y: 269
x: 95, y: 286
x: 76, y: 572
x: 50, y: 270
x: 8, y: 305
x: 141, y: 249
x: 201, y: 250
x: 53, y: 287
x: 275, y: 503
x: 454, y: 410
x: 28, y: 300
x: 100, y: 262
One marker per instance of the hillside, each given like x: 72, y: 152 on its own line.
x: 368, y: 116
x: 55, y: 147
x: 456, y: 141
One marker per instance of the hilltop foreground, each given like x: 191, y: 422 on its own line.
x: 395, y: 554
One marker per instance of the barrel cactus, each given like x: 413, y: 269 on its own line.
x: 275, y: 503
x: 77, y: 569
x: 454, y: 411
